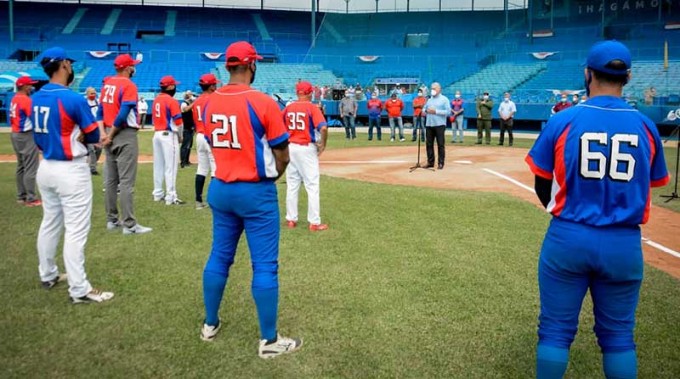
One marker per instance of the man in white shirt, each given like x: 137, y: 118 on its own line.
x: 507, y: 111
x: 94, y: 150
x: 142, y: 108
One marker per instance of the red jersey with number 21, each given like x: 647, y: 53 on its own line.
x: 241, y: 125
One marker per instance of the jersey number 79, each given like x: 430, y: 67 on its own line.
x: 607, y: 165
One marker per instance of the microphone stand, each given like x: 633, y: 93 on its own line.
x: 417, y: 166
x: 675, y: 195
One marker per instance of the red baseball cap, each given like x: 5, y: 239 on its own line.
x: 243, y: 51
x: 25, y: 80
x: 304, y: 88
x: 208, y: 79
x: 168, y: 80
x: 124, y: 60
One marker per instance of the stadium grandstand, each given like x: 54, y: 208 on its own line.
x: 533, y: 49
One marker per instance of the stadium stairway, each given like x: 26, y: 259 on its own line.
x: 261, y: 27
x: 333, y: 31
x: 73, y: 23
x: 111, y: 21
x: 170, y: 21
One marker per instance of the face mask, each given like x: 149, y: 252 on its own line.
x: 433, y: 93
x: 507, y: 99
x: 457, y: 96
x: 485, y: 97
x: 71, y: 77
x: 133, y: 72
x: 564, y: 100
x: 91, y: 96
x: 253, y: 70
x: 170, y: 92
x: 374, y: 97
x: 420, y: 94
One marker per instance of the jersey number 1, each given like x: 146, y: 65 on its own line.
x: 616, y: 156
x: 228, y: 127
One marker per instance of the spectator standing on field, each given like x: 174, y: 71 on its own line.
x: 419, y: 116
x: 348, y: 113
x: 187, y: 108
x: 394, y: 107
x: 143, y: 109
x: 375, y: 107
x: 507, y: 110
x: 456, y: 118
x: 94, y: 150
x: 484, y: 107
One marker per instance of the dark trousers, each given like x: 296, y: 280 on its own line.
x: 506, y: 125
x: 418, y: 123
x: 187, y: 143
x: 432, y: 132
x: 350, y: 129
x: 483, y: 126
x: 374, y: 121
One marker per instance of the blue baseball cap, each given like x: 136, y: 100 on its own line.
x: 606, y: 51
x: 55, y: 54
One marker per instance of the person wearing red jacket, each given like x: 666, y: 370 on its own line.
x: 562, y: 104
x: 419, y: 117
x: 375, y: 107
x: 394, y: 106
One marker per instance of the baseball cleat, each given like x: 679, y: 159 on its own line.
x: 174, y: 202
x: 201, y: 205
x: 94, y: 296
x: 21, y: 201
x: 111, y: 225
x: 291, y: 224
x: 137, y: 229
x: 48, y: 285
x: 282, y: 345
x: 318, y: 227
x: 209, y: 332
x: 33, y: 203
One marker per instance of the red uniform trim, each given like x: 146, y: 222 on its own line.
x: 537, y: 170
x: 560, y: 173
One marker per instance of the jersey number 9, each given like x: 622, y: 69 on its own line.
x: 605, y: 163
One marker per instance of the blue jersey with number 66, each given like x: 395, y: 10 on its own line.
x: 603, y: 157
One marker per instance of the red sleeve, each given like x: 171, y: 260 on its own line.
x: 274, y: 128
x: 129, y: 94
x: 175, y: 111
x: 317, y: 118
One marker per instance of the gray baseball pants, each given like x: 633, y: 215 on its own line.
x: 121, y: 174
x: 27, y: 164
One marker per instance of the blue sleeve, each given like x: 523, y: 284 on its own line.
x: 541, y: 157
x: 121, y: 119
x: 659, y: 172
x: 82, y: 115
x: 100, y: 113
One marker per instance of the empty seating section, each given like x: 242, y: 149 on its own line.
x: 497, y: 78
x: 467, y: 51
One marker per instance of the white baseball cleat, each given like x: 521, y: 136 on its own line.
x: 201, y: 205
x: 174, y: 202
x: 282, y: 345
x: 209, y: 332
x: 94, y: 296
x: 137, y: 229
x: 110, y: 225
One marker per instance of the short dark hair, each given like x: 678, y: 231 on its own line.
x: 50, y: 67
x: 611, y: 78
x: 204, y: 87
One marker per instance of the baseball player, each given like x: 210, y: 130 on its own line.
x: 117, y: 118
x: 167, y: 123
x: 304, y: 121
x: 94, y: 151
x: 594, y: 165
x: 208, y: 83
x: 62, y: 124
x: 23, y: 144
x: 250, y: 145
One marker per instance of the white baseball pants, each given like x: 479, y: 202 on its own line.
x: 165, y: 162
x: 303, y: 167
x: 66, y: 190
x: 206, y: 160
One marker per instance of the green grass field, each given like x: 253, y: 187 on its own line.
x: 408, y: 282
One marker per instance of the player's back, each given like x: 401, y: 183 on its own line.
x: 116, y: 91
x: 20, y: 112
x: 241, y: 124
x: 165, y: 109
x: 302, y: 119
x: 56, y: 112
x: 605, y: 154
x: 199, y: 108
